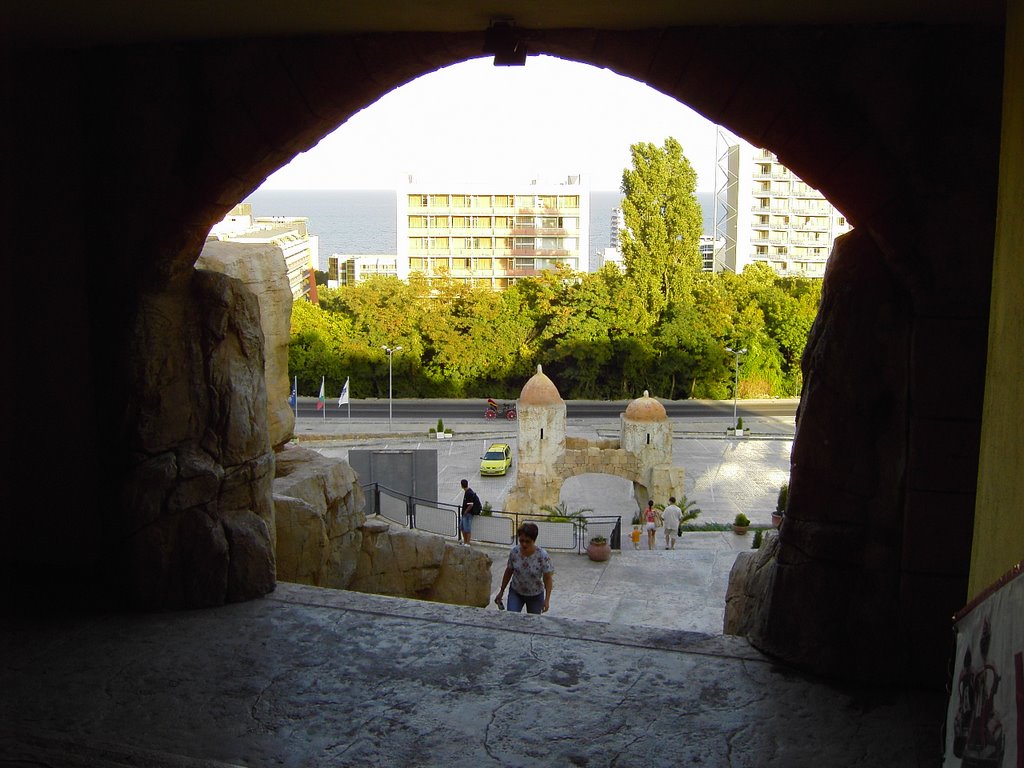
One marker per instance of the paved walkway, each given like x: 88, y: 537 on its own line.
x: 310, y: 677
x: 628, y: 669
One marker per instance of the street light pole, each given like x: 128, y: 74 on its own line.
x: 736, y: 385
x: 390, y: 351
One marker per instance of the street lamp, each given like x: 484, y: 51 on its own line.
x: 390, y: 351
x: 736, y: 385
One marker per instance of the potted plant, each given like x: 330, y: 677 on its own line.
x: 740, y: 524
x: 780, y: 505
x: 599, y: 549
x: 738, y: 431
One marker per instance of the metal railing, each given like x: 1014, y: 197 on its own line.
x: 498, y: 527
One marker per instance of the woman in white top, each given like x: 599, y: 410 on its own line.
x: 529, y: 570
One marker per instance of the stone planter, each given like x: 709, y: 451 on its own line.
x: 738, y: 432
x: 776, y: 519
x: 599, y: 552
x: 739, y: 530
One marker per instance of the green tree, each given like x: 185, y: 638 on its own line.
x: 661, y: 242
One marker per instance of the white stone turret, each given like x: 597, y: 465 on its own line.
x: 541, y: 412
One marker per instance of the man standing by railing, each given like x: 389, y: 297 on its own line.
x: 470, y: 507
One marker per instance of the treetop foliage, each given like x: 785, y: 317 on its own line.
x: 661, y: 326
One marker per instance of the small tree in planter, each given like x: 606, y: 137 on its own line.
x: 740, y: 524
x: 780, y: 505
x: 561, y: 514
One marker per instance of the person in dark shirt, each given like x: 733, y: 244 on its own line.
x: 470, y: 507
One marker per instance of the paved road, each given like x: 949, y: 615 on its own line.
x: 472, y: 409
x: 724, y: 474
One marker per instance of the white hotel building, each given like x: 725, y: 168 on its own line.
x: 491, y: 234
x: 290, y: 234
x: 771, y: 216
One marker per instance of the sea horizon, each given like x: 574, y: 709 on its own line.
x: 363, y: 222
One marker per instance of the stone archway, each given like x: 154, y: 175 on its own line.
x: 547, y: 456
x: 142, y: 148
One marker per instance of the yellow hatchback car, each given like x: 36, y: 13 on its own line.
x: 497, y: 460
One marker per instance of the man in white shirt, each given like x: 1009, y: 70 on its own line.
x: 672, y: 516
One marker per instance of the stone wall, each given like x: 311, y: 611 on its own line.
x: 262, y: 270
x: 196, y: 523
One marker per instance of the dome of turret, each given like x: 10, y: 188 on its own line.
x: 646, y: 408
x: 540, y: 390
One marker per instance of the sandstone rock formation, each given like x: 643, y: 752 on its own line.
x: 196, y: 521
x: 404, y: 563
x: 262, y: 270
x: 749, y: 581
x: 319, y: 507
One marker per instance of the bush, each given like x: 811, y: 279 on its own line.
x: 486, y: 510
x: 780, y: 502
x: 741, y: 519
x: 440, y: 425
x: 758, y: 537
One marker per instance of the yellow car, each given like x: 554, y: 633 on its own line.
x: 497, y: 460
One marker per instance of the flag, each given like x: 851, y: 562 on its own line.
x: 492, y: 402
x: 294, y: 398
x: 321, y: 401
x: 343, y: 398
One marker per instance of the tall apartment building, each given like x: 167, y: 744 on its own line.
x: 300, y: 249
x: 708, y: 245
x: 771, y: 216
x: 491, y: 234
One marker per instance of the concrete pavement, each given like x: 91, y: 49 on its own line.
x: 626, y: 670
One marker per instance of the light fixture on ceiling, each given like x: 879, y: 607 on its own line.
x: 503, y: 41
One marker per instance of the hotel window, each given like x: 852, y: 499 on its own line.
x: 523, y: 243
x: 417, y: 222
x: 459, y: 201
x: 524, y: 264
x: 549, y: 201
x: 418, y: 264
x: 417, y: 243
x: 501, y: 264
x: 503, y: 201
x: 460, y: 264
x: 524, y: 201
x: 483, y: 264
x: 569, y: 201
x: 439, y: 201
x: 417, y: 201
x: 502, y: 243
x: 524, y: 222
x: 761, y: 250
x: 437, y: 243
x: 502, y: 222
x: 481, y: 242
x: 459, y: 222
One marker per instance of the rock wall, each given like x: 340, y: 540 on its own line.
x: 319, y: 507
x: 262, y: 270
x: 196, y: 519
x: 403, y: 563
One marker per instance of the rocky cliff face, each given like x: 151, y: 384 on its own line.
x: 195, y: 524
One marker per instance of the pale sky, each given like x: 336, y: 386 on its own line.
x: 476, y: 122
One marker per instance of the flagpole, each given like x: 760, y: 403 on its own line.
x: 295, y: 391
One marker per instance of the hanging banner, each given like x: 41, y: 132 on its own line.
x: 985, y: 720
